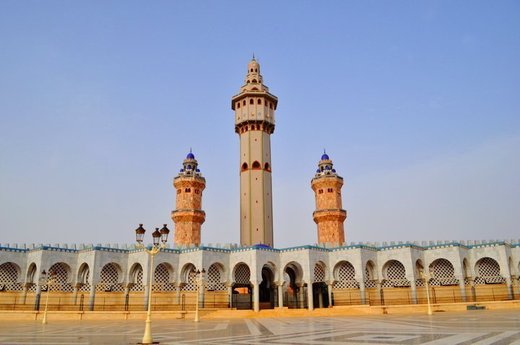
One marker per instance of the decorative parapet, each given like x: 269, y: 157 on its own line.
x: 229, y: 247
x: 9, y: 249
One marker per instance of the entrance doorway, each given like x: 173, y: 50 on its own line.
x: 242, y: 297
x: 268, y: 296
x: 320, y: 295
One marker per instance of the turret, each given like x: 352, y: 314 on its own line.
x: 329, y: 215
x: 188, y: 215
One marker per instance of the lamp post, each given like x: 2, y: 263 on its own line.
x: 200, y: 277
x: 48, y: 281
x: 425, y: 277
x: 157, y: 236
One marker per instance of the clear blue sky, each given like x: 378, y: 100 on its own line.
x: 417, y: 103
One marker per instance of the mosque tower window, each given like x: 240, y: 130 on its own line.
x: 267, y: 167
x: 251, y: 101
x: 259, y: 101
x: 256, y: 165
x: 244, y: 166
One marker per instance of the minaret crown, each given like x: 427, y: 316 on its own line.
x: 253, y: 73
x: 325, y: 167
x: 190, y: 166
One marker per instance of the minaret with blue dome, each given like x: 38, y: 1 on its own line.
x: 188, y: 215
x: 329, y: 215
x: 254, y: 108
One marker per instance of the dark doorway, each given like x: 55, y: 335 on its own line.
x: 242, y: 297
x: 267, y: 289
x: 295, y: 297
x: 320, y: 295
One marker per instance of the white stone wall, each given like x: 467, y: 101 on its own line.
x: 302, y: 259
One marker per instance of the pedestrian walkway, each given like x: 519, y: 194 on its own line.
x: 471, y: 327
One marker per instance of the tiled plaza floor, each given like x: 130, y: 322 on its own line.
x: 472, y: 327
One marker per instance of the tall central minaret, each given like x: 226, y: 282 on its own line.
x: 254, y: 110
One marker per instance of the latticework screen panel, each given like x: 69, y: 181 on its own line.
x: 109, y: 279
x: 191, y: 282
x: 442, y: 273
x: 488, y: 272
x: 162, y: 279
x: 60, y: 273
x: 9, y: 274
x: 345, y: 277
x: 31, y: 276
x: 86, y: 284
x: 137, y: 279
x: 214, y: 282
x: 242, y: 274
x: 319, y: 274
x: 370, y: 282
x: 395, y: 275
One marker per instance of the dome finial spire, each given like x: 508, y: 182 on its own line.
x: 254, y: 56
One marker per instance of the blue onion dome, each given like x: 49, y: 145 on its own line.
x: 333, y: 170
x: 261, y: 245
x: 190, y: 156
x: 325, y: 157
x: 327, y: 167
x: 188, y: 167
x: 197, y: 170
x: 317, y: 170
x: 182, y: 170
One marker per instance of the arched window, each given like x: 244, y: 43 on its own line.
x: 254, y: 81
x: 320, y: 191
x: 271, y: 105
x: 244, y: 102
x: 259, y: 101
x: 256, y: 165
x: 244, y: 166
x: 251, y: 70
x: 256, y: 69
x: 267, y: 167
x: 251, y: 101
x: 238, y: 105
x: 187, y: 190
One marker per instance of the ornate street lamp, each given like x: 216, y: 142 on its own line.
x: 426, y: 277
x: 200, y: 278
x: 48, y: 279
x: 159, y: 238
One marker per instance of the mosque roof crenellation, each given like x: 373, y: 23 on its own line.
x: 232, y: 247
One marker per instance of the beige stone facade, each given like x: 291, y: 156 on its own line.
x: 188, y: 215
x: 254, y: 110
x: 329, y: 215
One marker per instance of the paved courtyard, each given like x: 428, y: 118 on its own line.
x: 473, y: 327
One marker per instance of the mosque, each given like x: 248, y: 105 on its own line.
x: 255, y: 274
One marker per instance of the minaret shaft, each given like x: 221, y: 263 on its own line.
x: 254, y: 110
x: 188, y: 215
x: 329, y: 215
